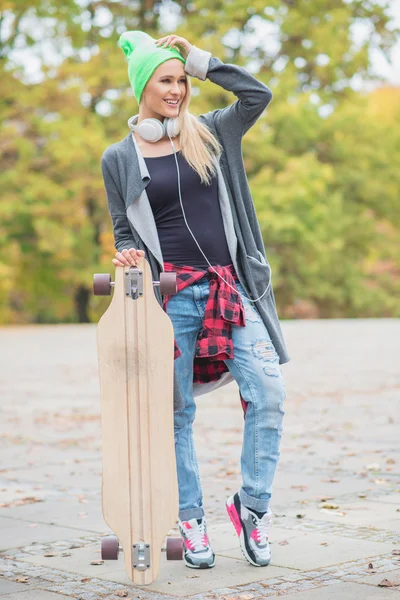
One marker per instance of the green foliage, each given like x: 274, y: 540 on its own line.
x: 325, y: 184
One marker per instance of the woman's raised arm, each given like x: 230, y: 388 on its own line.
x: 253, y: 96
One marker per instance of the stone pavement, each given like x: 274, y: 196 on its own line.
x: 336, y: 501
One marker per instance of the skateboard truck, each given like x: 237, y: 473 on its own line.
x: 141, y: 556
x: 134, y: 283
x: 102, y: 283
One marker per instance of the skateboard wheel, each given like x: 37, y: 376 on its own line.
x: 168, y: 284
x: 109, y: 548
x: 174, y: 548
x: 102, y: 284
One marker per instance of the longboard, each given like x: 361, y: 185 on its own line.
x: 135, y: 344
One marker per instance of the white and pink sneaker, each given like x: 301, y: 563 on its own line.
x: 197, y: 550
x: 252, y: 528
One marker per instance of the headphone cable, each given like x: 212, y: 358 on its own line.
x: 191, y: 233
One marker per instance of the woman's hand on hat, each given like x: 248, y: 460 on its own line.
x: 128, y: 258
x: 177, y: 42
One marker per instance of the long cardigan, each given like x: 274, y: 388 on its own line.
x: 126, y: 177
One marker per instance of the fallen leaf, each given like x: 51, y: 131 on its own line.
x: 121, y: 594
x: 97, y: 562
x: 283, y: 543
x: 337, y: 513
x: 86, y: 579
x: 246, y: 596
x: 362, y: 495
x: 379, y: 481
x: 64, y: 554
x: 299, y: 516
x: 21, y: 579
x: 373, y: 467
x: 330, y: 480
x: 387, y: 583
x: 329, y: 505
x: 21, y: 502
x: 396, y: 552
x: 323, y: 543
x: 49, y: 554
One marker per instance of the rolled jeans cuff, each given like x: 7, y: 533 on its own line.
x: 253, y: 503
x: 191, y: 513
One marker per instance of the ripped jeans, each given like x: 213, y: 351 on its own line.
x: 256, y: 369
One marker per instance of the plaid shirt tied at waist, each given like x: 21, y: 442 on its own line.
x: 224, y: 308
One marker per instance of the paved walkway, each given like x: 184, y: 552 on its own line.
x: 336, y: 502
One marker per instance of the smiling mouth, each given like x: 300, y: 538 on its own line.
x: 176, y: 103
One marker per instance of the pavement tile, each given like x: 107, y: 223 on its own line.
x: 390, y: 525
x: 36, y: 595
x: 375, y: 578
x: 391, y: 498
x: 85, y: 474
x: 306, y: 552
x: 78, y: 562
x: 344, y: 591
x: 16, y: 533
x: 356, y: 513
x: 68, y: 511
x: 7, y: 587
x: 177, y: 579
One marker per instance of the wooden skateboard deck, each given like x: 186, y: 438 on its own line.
x: 135, y: 342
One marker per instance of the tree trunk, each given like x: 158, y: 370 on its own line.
x: 81, y: 304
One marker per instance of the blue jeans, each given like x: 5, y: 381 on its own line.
x: 256, y: 369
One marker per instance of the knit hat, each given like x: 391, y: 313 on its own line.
x: 143, y: 58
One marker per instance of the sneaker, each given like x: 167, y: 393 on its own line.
x: 252, y: 528
x: 197, y: 550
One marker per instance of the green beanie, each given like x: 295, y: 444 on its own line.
x: 143, y: 58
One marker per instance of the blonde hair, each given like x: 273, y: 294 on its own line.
x: 198, y: 144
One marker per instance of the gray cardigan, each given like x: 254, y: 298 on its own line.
x: 126, y: 177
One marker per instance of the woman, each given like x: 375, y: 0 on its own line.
x: 190, y: 211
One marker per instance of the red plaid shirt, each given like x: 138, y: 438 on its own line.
x: 224, y: 308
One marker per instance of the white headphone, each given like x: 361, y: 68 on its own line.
x: 153, y: 130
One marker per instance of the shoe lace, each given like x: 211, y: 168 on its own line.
x: 196, y: 536
x: 263, y: 527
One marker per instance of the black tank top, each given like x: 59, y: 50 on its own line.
x: 202, y: 211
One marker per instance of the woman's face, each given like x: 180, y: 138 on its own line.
x: 165, y: 91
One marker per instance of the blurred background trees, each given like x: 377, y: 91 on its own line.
x: 323, y: 160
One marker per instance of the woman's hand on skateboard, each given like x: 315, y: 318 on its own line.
x: 128, y: 258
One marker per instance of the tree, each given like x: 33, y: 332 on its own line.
x: 325, y: 192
